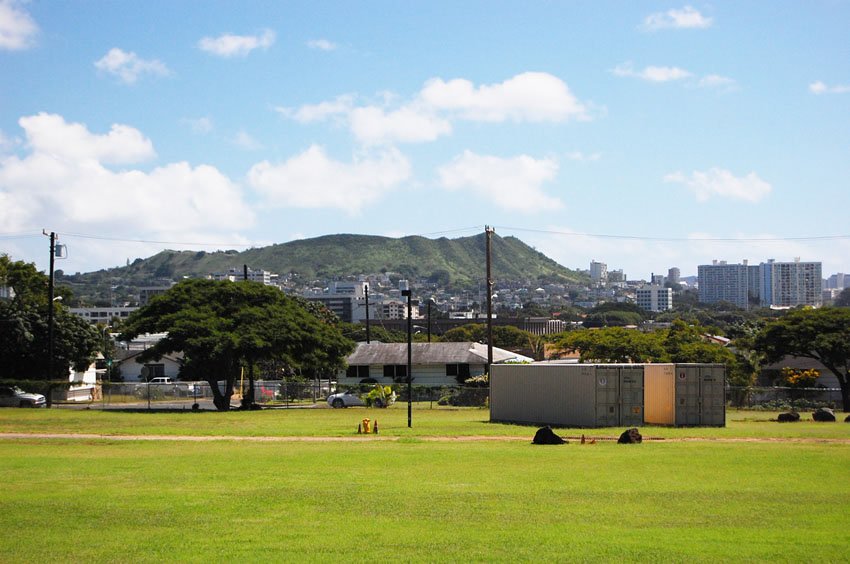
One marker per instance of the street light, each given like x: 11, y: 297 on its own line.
x: 406, y: 293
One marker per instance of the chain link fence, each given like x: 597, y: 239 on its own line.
x: 782, y: 398
x: 267, y: 393
x: 283, y: 394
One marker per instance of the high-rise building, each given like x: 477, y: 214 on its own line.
x: 673, y: 275
x: 790, y: 284
x: 722, y: 282
x: 598, y: 273
x: 617, y: 278
x: 654, y: 298
x: 838, y: 281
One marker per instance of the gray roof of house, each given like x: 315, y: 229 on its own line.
x: 429, y: 353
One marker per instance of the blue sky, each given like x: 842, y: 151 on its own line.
x: 645, y: 135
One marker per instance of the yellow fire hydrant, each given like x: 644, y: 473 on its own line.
x: 366, y: 430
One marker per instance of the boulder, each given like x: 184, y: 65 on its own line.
x: 546, y: 436
x: 824, y: 414
x: 790, y: 417
x: 630, y: 437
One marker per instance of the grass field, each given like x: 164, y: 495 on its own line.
x: 415, y: 499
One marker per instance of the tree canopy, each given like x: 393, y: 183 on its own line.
x: 222, y: 326
x: 680, y: 343
x: 820, y: 334
x: 24, y: 328
x: 504, y: 336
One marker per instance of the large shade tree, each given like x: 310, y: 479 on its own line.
x: 820, y: 334
x: 24, y: 331
x: 222, y: 327
x: 680, y: 343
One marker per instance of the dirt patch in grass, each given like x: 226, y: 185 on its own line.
x: 370, y: 438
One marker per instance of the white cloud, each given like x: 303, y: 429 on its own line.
x: 652, y: 73
x: 428, y: 115
x: 199, y: 125
x: 50, y: 134
x: 684, y: 18
x: 128, y: 66
x: 309, y: 113
x: 722, y: 183
x: 717, y: 81
x: 63, y: 181
x: 583, y: 157
x: 313, y: 180
x: 229, y: 45
x: 244, y: 141
x: 373, y: 126
x: 526, y: 97
x: 321, y: 44
x: 821, y: 88
x: 17, y: 28
x: 513, y: 183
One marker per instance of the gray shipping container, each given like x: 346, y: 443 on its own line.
x: 608, y: 395
x: 708, y: 382
x: 577, y: 395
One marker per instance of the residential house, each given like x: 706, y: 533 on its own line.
x: 132, y: 370
x: 434, y: 364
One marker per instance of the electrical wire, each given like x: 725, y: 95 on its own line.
x: 681, y: 239
x: 469, y: 229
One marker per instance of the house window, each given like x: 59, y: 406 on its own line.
x: 357, y: 371
x: 458, y: 370
x: 395, y: 371
x: 153, y: 371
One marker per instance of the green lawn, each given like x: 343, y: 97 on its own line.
x: 413, y: 499
x: 392, y: 421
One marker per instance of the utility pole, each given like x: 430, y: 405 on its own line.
x: 430, y: 301
x: 366, y: 288
x: 50, y: 292
x: 407, y: 294
x: 248, y: 403
x: 488, y: 231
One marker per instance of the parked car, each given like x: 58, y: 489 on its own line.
x: 12, y: 396
x: 161, y: 380
x: 345, y: 399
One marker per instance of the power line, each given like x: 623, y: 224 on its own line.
x: 473, y: 229
x: 150, y: 241
x: 681, y: 239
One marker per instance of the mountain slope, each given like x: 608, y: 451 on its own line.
x: 444, y: 261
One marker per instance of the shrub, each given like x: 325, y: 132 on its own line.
x: 795, y: 378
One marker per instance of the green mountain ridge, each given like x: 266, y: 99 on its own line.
x: 445, y: 261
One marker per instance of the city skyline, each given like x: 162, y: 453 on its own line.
x: 646, y: 136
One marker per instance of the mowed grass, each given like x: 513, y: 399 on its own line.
x: 412, y: 498
x: 415, y: 500
x: 326, y: 422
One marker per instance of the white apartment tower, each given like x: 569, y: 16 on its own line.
x: 654, y: 298
x: 790, y: 284
x: 598, y: 273
x: 722, y: 282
